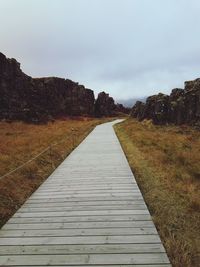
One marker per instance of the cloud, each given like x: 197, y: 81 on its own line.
x: 127, y: 48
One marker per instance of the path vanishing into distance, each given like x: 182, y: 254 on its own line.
x: 89, y: 212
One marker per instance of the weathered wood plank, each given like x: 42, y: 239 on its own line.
x: 84, y: 187
x: 86, y: 194
x: 97, y: 218
x: 79, y: 232
x: 83, y: 208
x: 82, y: 249
x: 84, y: 203
x: 92, y: 191
x: 97, y: 198
x: 101, y: 195
x: 155, y: 258
x: 94, y: 183
x: 133, y: 239
x: 78, y: 213
x: 76, y: 225
x: 90, y: 183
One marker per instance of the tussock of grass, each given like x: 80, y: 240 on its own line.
x: 166, y: 163
x: 19, y: 142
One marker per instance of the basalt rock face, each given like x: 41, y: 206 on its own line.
x: 192, y: 101
x: 41, y: 99
x: 181, y: 107
x: 57, y: 97
x: 176, y: 110
x: 138, y: 110
x: 119, y: 108
x: 15, y: 89
x: 28, y: 99
x: 160, y: 112
x: 104, y: 105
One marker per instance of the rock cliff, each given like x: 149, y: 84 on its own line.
x: 40, y: 99
x: 121, y: 109
x: 182, y: 106
x: 104, y: 105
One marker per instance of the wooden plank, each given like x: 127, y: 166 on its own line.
x: 93, y: 181
x: 84, y: 187
x: 65, y: 199
x: 97, y: 218
x: 100, y: 175
x: 75, y: 225
x: 83, y: 182
x: 133, y: 239
x: 93, y: 191
x: 101, y: 195
x: 79, y: 232
x: 67, y: 260
x: 84, y: 190
x: 84, y: 203
x: 87, y: 193
x: 97, y: 190
x: 82, y: 249
x: 81, y: 208
x: 79, y: 213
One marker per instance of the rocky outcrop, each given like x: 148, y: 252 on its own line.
x: 181, y: 107
x: 119, y: 108
x: 138, y: 110
x: 15, y: 89
x: 56, y: 97
x: 104, y: 105
x: 38, y: 100
x: 192, y: 101
x: 176, y: 108
x: 28, y: 99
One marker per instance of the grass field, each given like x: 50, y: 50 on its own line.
x: 19, y: 142
x: 166, y: 163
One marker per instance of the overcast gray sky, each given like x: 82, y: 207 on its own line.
x: 129, y: 48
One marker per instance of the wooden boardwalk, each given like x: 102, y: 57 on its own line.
x: 89, y: 212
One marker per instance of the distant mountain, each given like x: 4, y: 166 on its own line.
x: 129, y: 103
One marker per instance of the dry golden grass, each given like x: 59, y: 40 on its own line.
x: 19, y: 142
x: 166, y: 163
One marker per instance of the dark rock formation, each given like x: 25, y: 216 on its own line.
x: 191, y: 85
x: 63, y: 97
x: 156, y: 108
x: 160, y: 113
x: 138, y: 110
x: 192, y: 101
x: 25, y: 98
x: 15, y: 89
x: 119, y: 108
x: 181, y: 107
x: 104, y: 105
x: 41, y: 99
x: 176, y: 113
